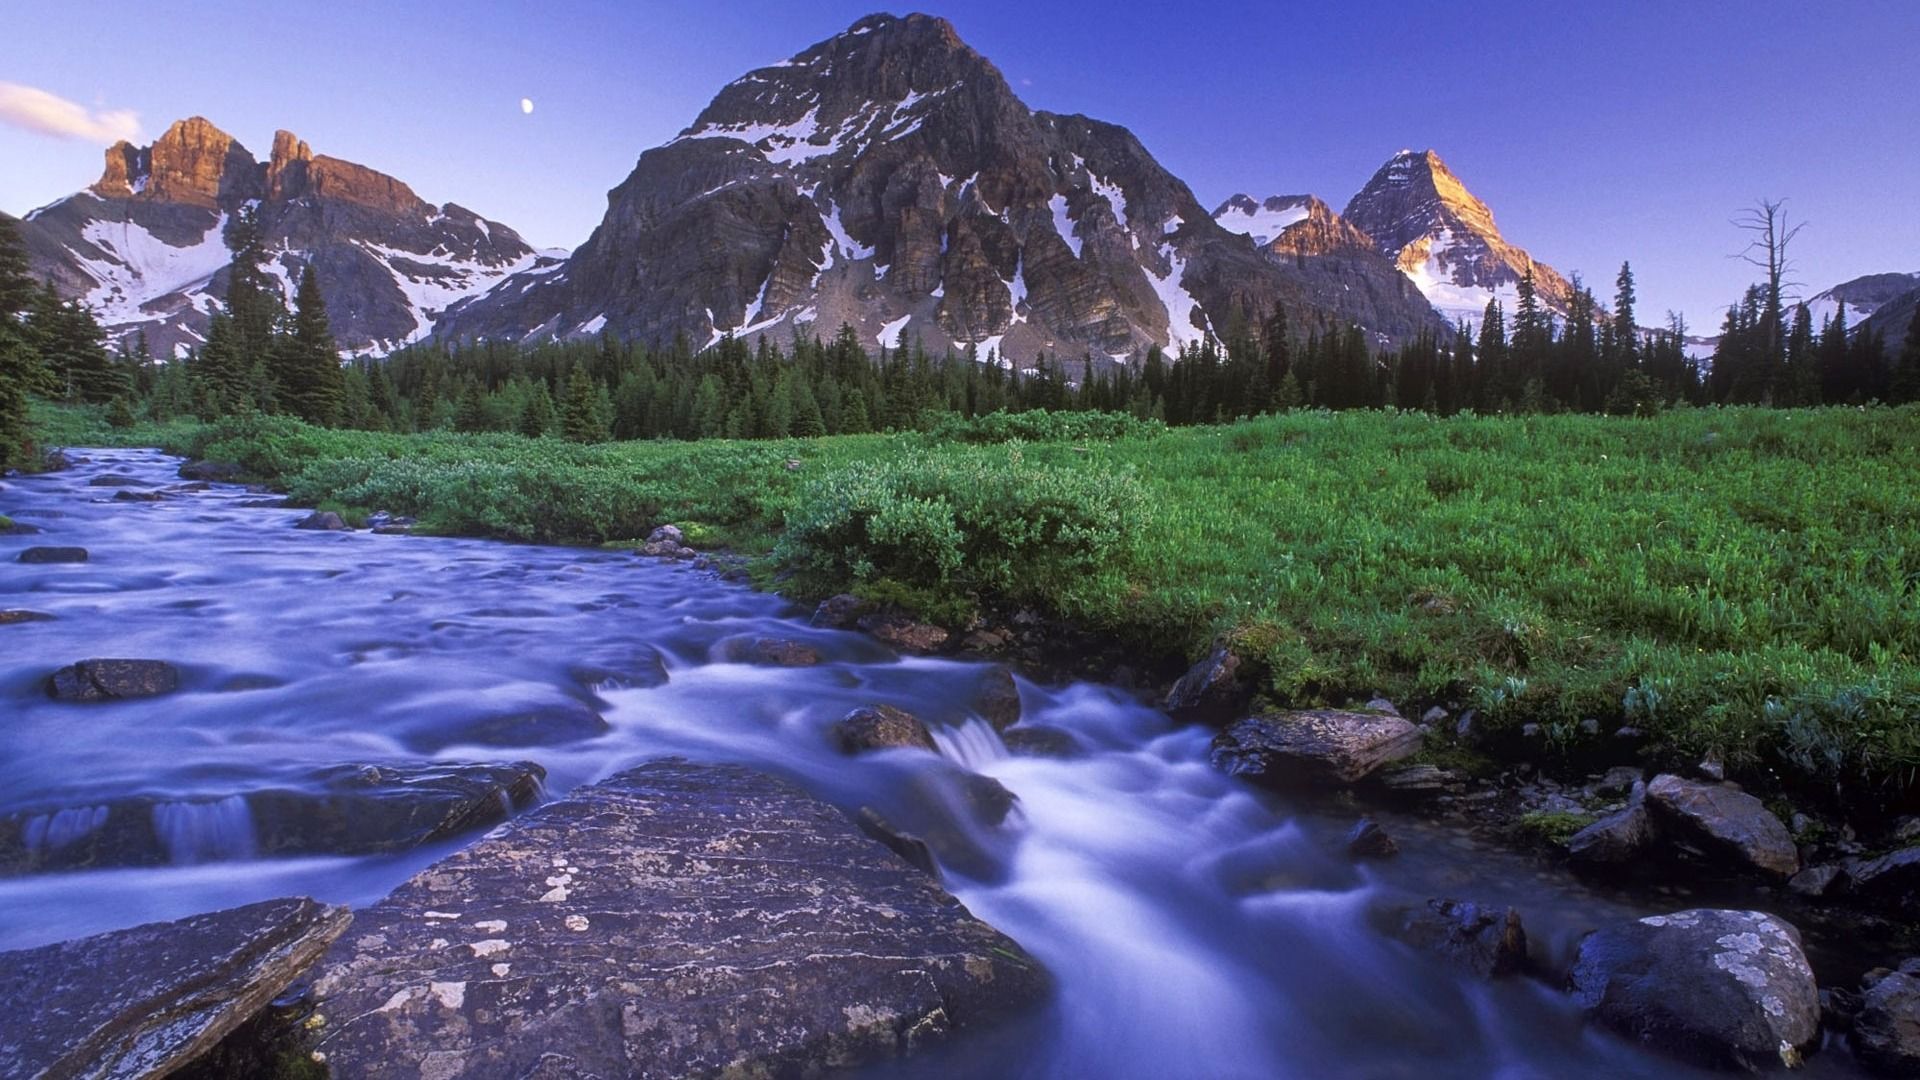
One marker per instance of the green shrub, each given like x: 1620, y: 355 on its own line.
x: 983, y: 524
x: 1041, y: 425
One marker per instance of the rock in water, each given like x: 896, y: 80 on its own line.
x: 1726, y: 823
x: 673, y: 920
x: 1613, y: 842
x: 998, y: 698
x: 1313, y: 746
x: 1886, y: 1032
x: 881, y: 727
x: 113, y: 680
x: 1722, y: 988
x: 142, y: 1002
x: 322, y: 521
x: 1484, y: 939
x: 54, y: 555
x: 1210, y: 690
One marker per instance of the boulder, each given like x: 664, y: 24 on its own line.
x: 1719, y: 988
x: 138, y: 496
x: 1367, y: 840
x: 322, y: 521
x: 54, y: 555
x: 10, y: 527
x: 1613, y: 842
x: 1419, y: 782
x: 1817, y: 881
x: 770, y: 652
x: 903, y: 633
x: 1041, y: 740
x: 11, y: 616
x: 1210, y: 691
x: 1886, y: 1029
x: 1313, y: 746
x: 840, y: 612
x: 225, y: 472
x: 912, y: 848
x: 997, y: 698
x: 667, y: 534
x: 117, y: 480
x: 1892, y: 879
x: 880, y: 727
x: 340, y: 810
x: 1725, y: 823
x: 144, y: 1001
x: 1486, y: 940
x: 673, y: 920
x: 667, y: 549
x: 113, y: 680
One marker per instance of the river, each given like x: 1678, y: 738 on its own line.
x: 1195, y: 926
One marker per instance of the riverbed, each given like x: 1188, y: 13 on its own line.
x: 1195, y: 927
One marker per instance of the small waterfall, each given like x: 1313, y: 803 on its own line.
x: 197, y: 832
x: 51, y: 832
x: 971, y: 745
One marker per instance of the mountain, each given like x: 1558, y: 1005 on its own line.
x: 1863, y: 296
x: 888, y: 178
x: 1891, y: 318
x: 1422, y: 217
x: 144, y: 244
x: 1303, y: 234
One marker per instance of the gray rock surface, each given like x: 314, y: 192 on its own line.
x: 1486, y: 940
x: 1313, y: 746
x: 997, y: 699
x: 142, y: 1002
x: 341, y: 810
x: 322, y: 521
x: 113, y: 680
x: 1724, y: 823
x: 1893, y: 878
x: 1721, y: 988
x: 1210, y: 690
x: 53, y: 555
x: 1613, y: 842
x: 1886, y: 1030
x: 881, y: 727
x: 673, y: 920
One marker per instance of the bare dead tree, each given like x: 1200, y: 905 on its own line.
x: 1767, y: 223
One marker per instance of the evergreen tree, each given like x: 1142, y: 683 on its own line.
x: 310, y: 380
x: 537, y: 418
x: 1625, y: 334
x: 582, y: 420
x: 19, y: 362
x: 1905, y: 385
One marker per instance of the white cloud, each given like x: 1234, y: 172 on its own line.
x: 34, y: 109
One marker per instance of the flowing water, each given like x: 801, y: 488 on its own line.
x: 1195, y: 927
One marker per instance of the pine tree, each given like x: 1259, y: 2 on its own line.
x: 582, y: 421
x: 1625, y: 335
x: 537, y: 418
x: 310, y: 380
x: 1905, y: 384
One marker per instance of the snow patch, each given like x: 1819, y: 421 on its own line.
x: 889, y: 336
x: 137, y: 267
x: 1064, y: 224
x: 1265, y: 221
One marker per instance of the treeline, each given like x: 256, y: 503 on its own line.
x: 260, y: 356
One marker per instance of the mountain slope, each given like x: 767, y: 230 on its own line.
x: 1421, y: 216
x: 144, y: 244
x: 888, y: 178
x: 1863, y: 296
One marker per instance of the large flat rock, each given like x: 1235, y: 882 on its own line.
x: 674, y: 920
x: 1313, y: 747
x: 144, y: 1001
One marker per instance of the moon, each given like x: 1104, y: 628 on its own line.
x: 526, y: 105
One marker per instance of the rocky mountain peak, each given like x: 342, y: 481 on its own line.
x: 1441, y: 235
x: 287, y: 167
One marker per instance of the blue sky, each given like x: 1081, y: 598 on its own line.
x: 1597, y: 132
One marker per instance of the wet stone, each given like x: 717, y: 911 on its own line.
x: 340, y: 810
x: 1725, y: 823
x: 903, y: 633
x: 1367, y: 840
x: 880, y: 727
x: 138, y: 496
x: 840, y: 612
x: 144, y: 1001
x: 113, y: 680
x: 997, y: 698
x: 673, y: 920
x: 770, y: 652
x: 1886, y: 1028
x: 1719, y: 988
x: 1210, y: 691
x: 1313, y: 746
x: 322, y: 521
x: 1484, y: 939
x: 12, y: 616
x: 54, y: 555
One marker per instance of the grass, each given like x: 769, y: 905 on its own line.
x: 1737, y: 581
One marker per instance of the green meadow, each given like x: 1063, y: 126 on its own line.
x: 1741, y: 582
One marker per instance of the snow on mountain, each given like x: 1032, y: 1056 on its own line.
x: 1265, y: 220
x: 145, y: 247
x: 1419, y: 214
